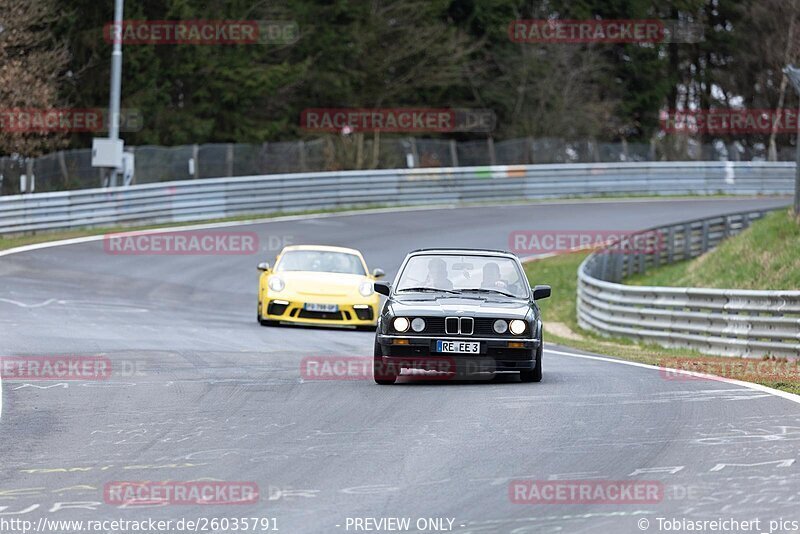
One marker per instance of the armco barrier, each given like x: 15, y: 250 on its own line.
x: 191, y: 200
x: 715, y: 321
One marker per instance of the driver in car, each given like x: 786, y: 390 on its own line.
x: 491, y: 277
x: 437, y: 275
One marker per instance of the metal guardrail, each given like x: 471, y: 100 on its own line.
x: 72, y: 169
x: 715, y: 321
x: 191, y: 200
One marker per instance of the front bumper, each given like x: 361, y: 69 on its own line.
x: 294, y: 312
x: 495, y: 353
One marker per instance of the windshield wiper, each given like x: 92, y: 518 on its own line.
x: 482, y: 290
x: 427, y: 289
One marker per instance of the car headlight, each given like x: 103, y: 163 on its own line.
x: 418, y: 324
x: 276, y: 284
x: 366, y: 288
x: 517, y: 327
x: 400, y: 324
x: 500, y: 326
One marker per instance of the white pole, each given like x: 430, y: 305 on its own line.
x: 116, y: 82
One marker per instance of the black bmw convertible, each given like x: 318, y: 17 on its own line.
x: 460, y: 312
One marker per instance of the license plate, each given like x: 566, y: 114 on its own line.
x: 328, y: 308
x: 468, y: 347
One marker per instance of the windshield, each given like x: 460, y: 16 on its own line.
x: 321, y: 262
x: 446, y: 272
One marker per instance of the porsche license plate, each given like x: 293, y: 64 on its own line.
x: 328, y: 308
x: 468, y: 347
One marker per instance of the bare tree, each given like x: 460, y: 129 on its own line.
x: 32, y: 65
x: 785, y: 22
x: 769, y: 39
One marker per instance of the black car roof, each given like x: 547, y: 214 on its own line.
x: 465, y: 251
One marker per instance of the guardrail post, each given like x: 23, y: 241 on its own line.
x: 705, y: 237
x: 659, y: 246
x: 453, y: 153
x: 604, y: 272
x: 619, y: 265
x: 687, y: 241
x: 671, y: 245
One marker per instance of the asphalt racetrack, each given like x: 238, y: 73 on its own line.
x: 211, y: 395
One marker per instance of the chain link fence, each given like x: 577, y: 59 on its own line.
x: 72, y: 169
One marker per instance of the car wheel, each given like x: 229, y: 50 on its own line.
x: 366, y: 328
x: 385, y: 376
x: 536, y: 374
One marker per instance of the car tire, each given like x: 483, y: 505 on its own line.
x: 534, y: 375
x: 366, y: 328
x: 381, y: 375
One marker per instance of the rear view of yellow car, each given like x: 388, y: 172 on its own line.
x: 318, y: 285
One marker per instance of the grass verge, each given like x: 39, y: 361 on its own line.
x: 561, y: 326
x: 766, y: 255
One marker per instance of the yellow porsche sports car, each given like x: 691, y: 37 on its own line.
x: 318, y: 285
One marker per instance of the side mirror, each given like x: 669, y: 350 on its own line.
x: 378, y: 273
x: 264, y: 266
x: 384, y: 288
x: 541, y: 292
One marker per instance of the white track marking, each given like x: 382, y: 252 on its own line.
x: 306, y: 217
x: 23, y: 305
x: 749, y: 385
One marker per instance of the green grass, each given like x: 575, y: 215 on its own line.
x: 561, y: 326
x: 765, y: 256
